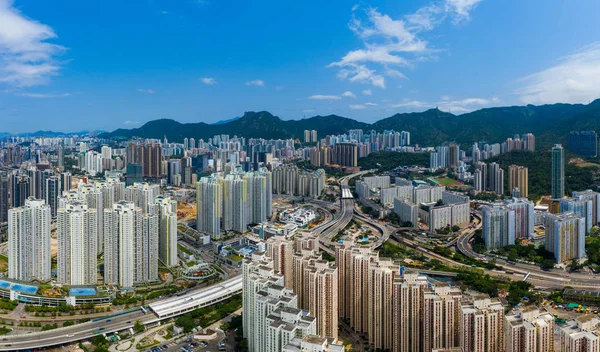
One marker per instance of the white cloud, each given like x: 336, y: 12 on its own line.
x: 367, y: 92
x: 208, y: 80
x: 371, y: 104
x: 390, y: 44
x: 355, y: 7
x: 348, y: 94
x: 256, y: 82
x: 26, y: 58
x: 461, y: 8
x: 42, y: 95
x: 324, y: 97
x: 357, y: 107
x: 129, y: 122
x: 574, y: 79
x: 147, y: 91
x: 453, y: 106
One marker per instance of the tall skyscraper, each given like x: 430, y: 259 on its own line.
x: 29, y: 241
x: 584, y: 143
x: 496, y: 178
x: 166, y: 210
x: 209, y: 208
x: 131, y: 245
x: 65, y: 181
x: 453, y: 156
x: 235, y: 202
x: 61, y: 155
x: 558, y: 171
x: 52, y: 193
x: 4, y: 190
x: 19, y: 189
x: 518, y: 177
x: 260, y: 190
x: 77, y: 235
x: 306, y: 136
x: 482, y: 325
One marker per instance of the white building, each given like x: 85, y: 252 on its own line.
x: 406, y: 211
x: 528, y: 330
x: 580, y: 335
x: 29, y: 241
x: 498, y: 226
x: 77, y: 235
x: 166, y: 211
x: 209, y: 208
x: 131, y: 245
x: 235, y: 202
x: 298, y: 216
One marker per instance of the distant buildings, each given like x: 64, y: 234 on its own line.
x: 558, y: 172
x: 518, y: 177
x: 310, y: 136
x: 233, y: 202
x: 583, y: 143
x: 288, y: 179
x: 345, y: 154
x: 29, y: 241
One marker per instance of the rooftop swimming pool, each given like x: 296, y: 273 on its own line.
x: 19, y: 287
x: 82, y: 291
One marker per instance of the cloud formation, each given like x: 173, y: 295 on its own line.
x: 324, y: 97
x: 367, y: 92
x: 453, y: 106
x: 208, y: 80
x: 348, y: 94
x: 130, y: 122
x: 145, y: 90
x: 256, y: 82
x: 574, y: 79
x: 26, y: 57
x: 42, y: 95
x: 392, y: 44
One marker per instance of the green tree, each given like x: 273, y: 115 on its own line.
x: 138, y: 327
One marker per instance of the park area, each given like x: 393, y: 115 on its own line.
x: 445, y: 181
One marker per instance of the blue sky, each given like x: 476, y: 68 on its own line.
x: 73, y: 65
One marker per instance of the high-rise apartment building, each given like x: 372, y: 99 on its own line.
x: 165, y: 209
x: 131, y: 245
x: 498, y: 226
x: 315, y: 282
x: 495, y: 178
x: 29, y: 241
x: 260, y: 191
x: 558, y: 172
x: 528, y: 330
x: 595, y: 198
x: 453, y: 156
x: 61, y: 155
x: 580, y: 335
x: 77, y: 236
x: 565, y: 236
x: 19, y: 189
x: 142, y: 194
x: 271, y: 319
x: 584, y: 143
x: 346, y: 154
x: 482, y: 325
x: 518, y: 177
x: 4, y: 190
x: 235, y: 202
x: 524, y: 216
x: 52, y: 193
x: 209, y: 198
x: 580, y: 207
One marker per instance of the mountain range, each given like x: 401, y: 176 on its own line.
x: 550, y: 123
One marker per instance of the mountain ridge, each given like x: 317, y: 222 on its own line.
x: 428, y: 127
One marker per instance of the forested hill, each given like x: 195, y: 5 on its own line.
x: 550, y: 124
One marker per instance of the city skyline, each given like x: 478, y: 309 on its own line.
x: 359, y: 61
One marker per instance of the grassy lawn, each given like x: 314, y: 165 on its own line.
x: 3, y: 263
x: 235, y: 257
x: 445, y: 181
x: 183, y: 249
x: 4, y: 330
